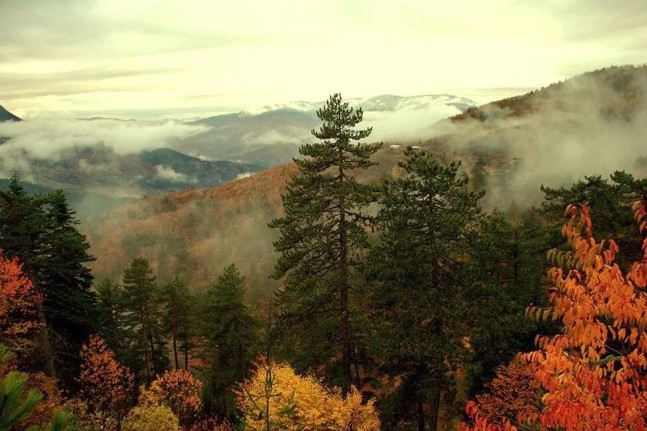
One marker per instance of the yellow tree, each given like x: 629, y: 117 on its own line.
x: 276, y: 398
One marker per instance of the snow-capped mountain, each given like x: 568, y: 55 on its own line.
x: 385, y: 102
x: 272, y: 134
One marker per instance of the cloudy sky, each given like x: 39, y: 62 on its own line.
x: 166, y: 58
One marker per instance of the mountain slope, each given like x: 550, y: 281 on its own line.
x: 585, y: 126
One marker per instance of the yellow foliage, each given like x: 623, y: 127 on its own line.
x: 151, y: 418
x: 276, y: 394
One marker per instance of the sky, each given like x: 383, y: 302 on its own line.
x: 174, y: 59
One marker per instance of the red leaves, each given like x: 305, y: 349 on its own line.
x: 105, y: 384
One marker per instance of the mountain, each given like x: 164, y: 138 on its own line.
x: 4, y: 117
x: 7, y: 116
x: 587, y: 125
x: 272, y: 134
x: 591, y: 124
x: 100, y: 169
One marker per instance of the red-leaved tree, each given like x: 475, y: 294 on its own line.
x: 106, y: 386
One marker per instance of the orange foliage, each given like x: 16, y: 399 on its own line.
x: 178, y: 390
x: 513, y: 393
x: 18, y: 305
x: 106, y: 386
x: 594, y: 372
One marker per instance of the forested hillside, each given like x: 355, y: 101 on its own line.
x: 491, y: 277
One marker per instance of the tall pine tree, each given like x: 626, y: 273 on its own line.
x: 321, y: 238
x: 143, y: 315
x: 231, y: 332
x: 418, y: 271
x: 178, y: 319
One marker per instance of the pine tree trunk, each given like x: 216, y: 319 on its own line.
x: 177, y: 365
x: 45, y: 343
x: 346, y: 341
x: 152, y: 346
x: 421, y: 415
x: 186, y: 357
x: 435, y: 408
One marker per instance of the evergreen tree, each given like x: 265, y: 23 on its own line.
x: 232, y: 335
x: 506, y: 270
x: 69, y: 304
x: 41, y: 232
x: 321, y: 238
x: 428, y: 218
x: 142, y: 305
x: 110, y: 313
x: 610, y: 203
x: 178, y: 318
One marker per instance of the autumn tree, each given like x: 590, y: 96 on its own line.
x: 179, y: 391
x: 594, y: 373
x: 142, y: 304
x: 276, y: 398
x: 151, y: 418
x: 105, y: 385
x: 19, y: 305
x: 427, y: 220
x: 609, y: 202
x: 231, y: 331
x: 320, y: 238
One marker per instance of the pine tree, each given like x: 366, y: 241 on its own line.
x: 110, y: 315
x: 69, y: 304
x: 177, y: 318
x: 321, y: 238
x: 41, y: 232
x: 427, y: 219
x: 232, y: 334
x: 141, y: 301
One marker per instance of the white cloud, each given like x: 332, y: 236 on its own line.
x: 43, y: 138
x: 168, y: 173
x: 78, y: 56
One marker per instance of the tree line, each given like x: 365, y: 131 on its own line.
x: 405, y: 295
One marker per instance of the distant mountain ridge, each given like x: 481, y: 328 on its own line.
x: 384, y: 102
x: 7, y: 116
x: 272, y: 134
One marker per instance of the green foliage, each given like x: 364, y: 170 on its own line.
x: 232, y: 334
x: 143, y: 317
x: 506, y: 270
x: 322, y: 236
x: 610, y: 205
x: 110, y: 315
x: 41, y: 232
x: 17, y: 401
x: 177, y: 318
x: 427, y: 221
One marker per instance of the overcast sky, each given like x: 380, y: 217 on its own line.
x: 143, y: 58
